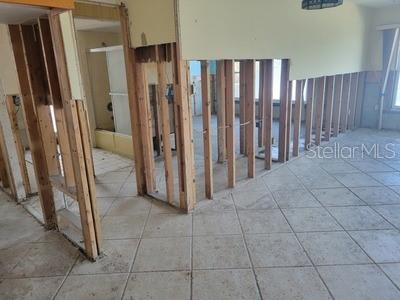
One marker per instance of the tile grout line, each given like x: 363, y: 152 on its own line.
x: 136, y: 253
x: 246, y: 246
x: 349, y: 235
x: 65, y: 278
x: 298, y: 241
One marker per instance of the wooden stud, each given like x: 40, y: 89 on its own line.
x: 283, y: 115
x: 320, y: 99
x: 297, y: 116
x: 344, y: 114
x: 155, y: 113
x: 242, y: 104
x: 206, y: 110
x: 165, y: 129
x: 130, y: 65
x: 353, y: 101
x: 289, y: 120
x: 250, y: 116
x: 39, y: 87
x: 260, y: 118
x: 268, y: 112
x: 184, y: 132
x: 88, y: 213
x: 142, y: 94
x: 360, y: 98
x: 230, y: 120
x: 190, y: 123
x: 9, y: 180
x: 12, y: 113
x: 87, y: 153
x: 3, y: 166
x: 32, y: 125
x: 221, y: 111
x: 309, y: 113
x: 337, y: 104
x: 55, y: 95
x: 329, y: 92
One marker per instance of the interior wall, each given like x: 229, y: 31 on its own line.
x: 323, y: 42
x: 152, y: 22
x: 95, y: 76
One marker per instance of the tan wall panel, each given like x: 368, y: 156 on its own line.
x: 151, y: 21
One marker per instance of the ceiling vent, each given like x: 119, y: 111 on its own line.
x: 320, y: 4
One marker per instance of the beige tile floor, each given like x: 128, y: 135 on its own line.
x: 310, y: 229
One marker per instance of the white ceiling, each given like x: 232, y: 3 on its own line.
x: 97, y: 25
x: 376, y: 3
x: 17, y: 14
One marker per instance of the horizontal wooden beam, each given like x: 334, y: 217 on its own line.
x: 63, y: 4
x: 58, y: 182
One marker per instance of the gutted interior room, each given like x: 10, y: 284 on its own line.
x: 182, y: 149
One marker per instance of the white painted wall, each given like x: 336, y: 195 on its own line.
x: 323, y: 42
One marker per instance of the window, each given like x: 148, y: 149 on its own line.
x: 276, y: 81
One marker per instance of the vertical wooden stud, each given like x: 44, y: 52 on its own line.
x: 130, y: 62
x: 165, y: 129
x: 250, y: 116
x: 283, y: 115
x: 353, y: 100
x: 344, y: 114
x: 184, y: 134
x: 329, y: 88
x: 221, y: 111
x: 142, y: 93
x: 360, y: 98
x: 337, y: 104
x: 206, y: 109
x: 55, y: 94
x: 39, y: 87
x: 88, y: 213
x: 260, y: 131
x: 297, y: 116
x: 230, y: 121
x: 289, y: 121
x: 12, y: 112
x: 242, y: 104
x: 268, y: 112
x: 320, y: 100
x: 32, y: 124
x: 6, y: 171
x: 309, y: 113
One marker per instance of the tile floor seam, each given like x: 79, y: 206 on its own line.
x: 301, y: 245
x: 65, y: 278
x: 247, y: 248
x: 349, y: 235
x: 371, y: 206
x: 136, y: 253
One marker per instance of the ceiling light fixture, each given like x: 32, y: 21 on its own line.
x: 320, y: 4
